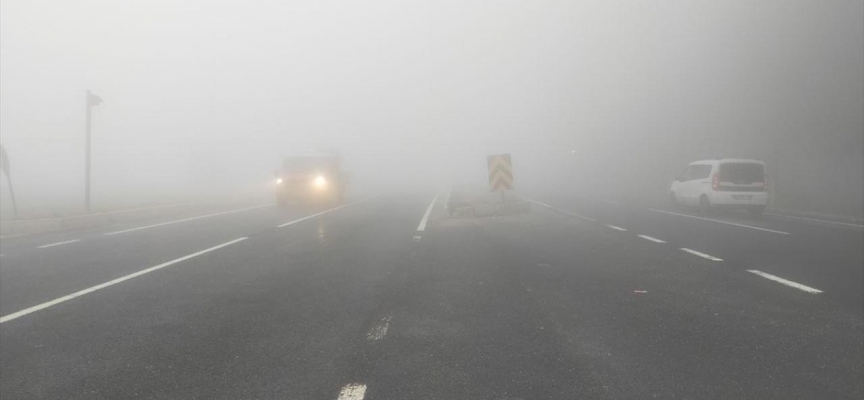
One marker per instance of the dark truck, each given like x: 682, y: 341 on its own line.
x: 312, y: 178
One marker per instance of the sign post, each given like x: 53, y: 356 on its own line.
x: 92, y: 100
x: 500, y: 173
x: 4, y: 167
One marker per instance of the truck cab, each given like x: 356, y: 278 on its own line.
x: 314, y: 178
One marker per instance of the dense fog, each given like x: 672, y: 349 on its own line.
x: 202, y: 99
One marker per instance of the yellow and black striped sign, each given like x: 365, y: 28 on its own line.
x: 500, y: 172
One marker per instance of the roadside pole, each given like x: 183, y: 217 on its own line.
x: 91, y: 100
x: 4, y: 166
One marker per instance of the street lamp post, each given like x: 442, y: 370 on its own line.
x: 92, y: 100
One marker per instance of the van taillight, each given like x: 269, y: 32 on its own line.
x: 715, y: 181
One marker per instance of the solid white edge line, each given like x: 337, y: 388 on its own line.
x: 422, y: 226
x: 45, y: 246
x: 617, y: 228
x: 352, y: 391
x: 572, y: 214
x: 700, y: 254
x: 816, y: 220
x: 653, y: 239
x: 111, y: 282
x: 719, y: 221
x: 323, y: 212
x: 786, y: 282
x: 185, y: 220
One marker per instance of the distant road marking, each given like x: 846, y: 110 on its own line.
x: 185, y: 220
x: 653, y: 239
x: 572, y: 214
x: 719, y: 221
x: 323, y: 212
x: 617, y: 228
x: 789, y: 283
x: 354, y: 391
x: 598, y: 200
x: 112, y: 282
x: 422, y: 226
x: 703, y: 255
x: 380, y: 329
x: 45, y: 246
x: 158, y: 207
x: 816, y: 220
x: 416, y: 238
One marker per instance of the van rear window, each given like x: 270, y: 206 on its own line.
x: 742, y: 173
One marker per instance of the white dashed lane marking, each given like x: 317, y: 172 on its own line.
x: 323, y: 212
x: 653, y: 239
x: 700, y: 254
x: 720, y: 222
x: 185, y: 220
x: 617, y: 228
x: 786, y: 282
x: 79, y: 293
x: 354, y: 391
x: 45, y: 246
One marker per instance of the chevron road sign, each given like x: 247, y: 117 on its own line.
x: 500, y: 172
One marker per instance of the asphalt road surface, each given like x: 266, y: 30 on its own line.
x: 390, y: 298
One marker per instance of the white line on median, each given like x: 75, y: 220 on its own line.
x: 186, y: 219
x: 719, y: 221
x: 617, y: 228
x: 380, y: 329
x: 112, y: 282
x: 653, y: 239
x: 786, y: 282
x: 700, y: 254
x: 422, y: 226
x: 323, y: 212
x: 572, y: 214
x: 816, y: 220
x: 45, y: 246
x: 353, y: 391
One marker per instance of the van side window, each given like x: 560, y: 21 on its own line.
x: 701, y: 171
x: 685, y: 176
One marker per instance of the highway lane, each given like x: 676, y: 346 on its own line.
x: 15, y: 244
x: 541, y: 305
x: 826, y: 256
x: 31, y: 274
x: 285, y: 303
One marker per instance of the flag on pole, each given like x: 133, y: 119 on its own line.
x: 93, y: 100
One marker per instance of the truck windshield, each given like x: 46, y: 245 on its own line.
x: 307, y: 164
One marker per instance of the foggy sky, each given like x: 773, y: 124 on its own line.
x: 207, y: 96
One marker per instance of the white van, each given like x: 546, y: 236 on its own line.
x: 723, y: 183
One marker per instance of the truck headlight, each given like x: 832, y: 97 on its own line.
x: 320, y: 181
x: 278, y: 181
